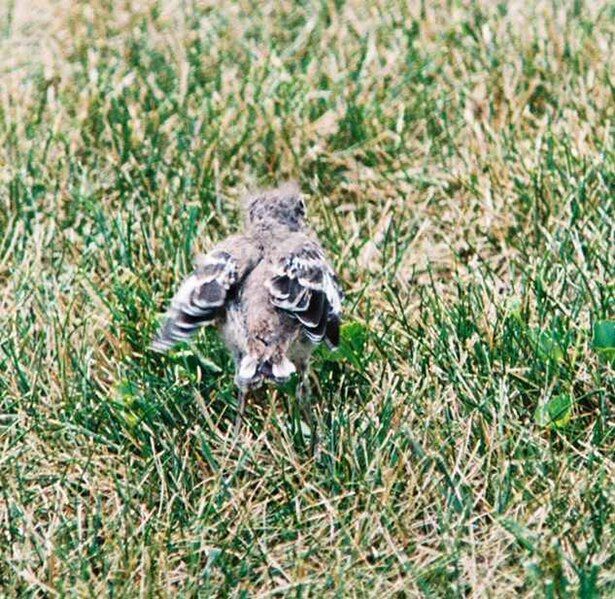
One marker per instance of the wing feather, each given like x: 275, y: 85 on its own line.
x: 199, y: 301
x: 305, y: 286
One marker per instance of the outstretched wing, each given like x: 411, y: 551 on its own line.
x: 305, y: 286
x: 202, y: 297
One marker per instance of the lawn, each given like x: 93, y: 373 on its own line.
x: 457, y: 161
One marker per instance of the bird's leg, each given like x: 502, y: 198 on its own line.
x: 241, y: 409
x: 304, y: 399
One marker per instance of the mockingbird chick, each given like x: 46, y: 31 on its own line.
x: 269, y: 290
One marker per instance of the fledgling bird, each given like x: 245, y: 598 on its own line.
x: 269, y: 290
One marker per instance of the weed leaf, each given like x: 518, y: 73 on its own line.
x: 556, y: 412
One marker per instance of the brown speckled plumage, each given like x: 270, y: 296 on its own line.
x: 269, y: 290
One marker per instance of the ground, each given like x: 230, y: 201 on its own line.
x: 457, y: 161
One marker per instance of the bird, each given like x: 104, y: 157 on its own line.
x: 271, y: 293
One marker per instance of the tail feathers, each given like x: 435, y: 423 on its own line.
x: 247, y: 369
x: 283, y: 370
x: 251, y: 372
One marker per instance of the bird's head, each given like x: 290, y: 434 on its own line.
x: 280, y: 207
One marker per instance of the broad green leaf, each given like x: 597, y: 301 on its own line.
x: 557, y: 411
x: 604, y: 335
x: 604, y: 339
x: 353, y: 337
x: 546, y: 345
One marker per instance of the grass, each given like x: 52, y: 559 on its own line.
x: 458, y: 163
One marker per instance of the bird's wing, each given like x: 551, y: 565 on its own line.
x: 203, y: 296
x: 304, y: 285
